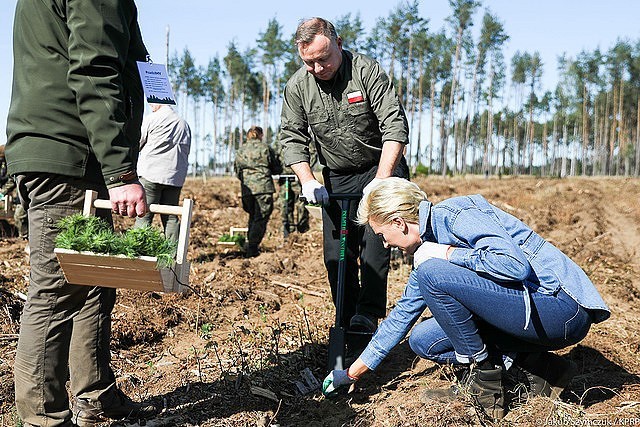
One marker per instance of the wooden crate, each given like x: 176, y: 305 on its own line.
x: 119, y: 271
x: 315, y: 211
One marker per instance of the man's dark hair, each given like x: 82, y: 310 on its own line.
x: 309, y: 28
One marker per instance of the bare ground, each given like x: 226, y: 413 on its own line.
x: 232, y: 352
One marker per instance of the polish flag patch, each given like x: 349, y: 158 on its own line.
x: 355, y: 97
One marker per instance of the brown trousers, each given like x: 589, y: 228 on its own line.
x: 64, y: 328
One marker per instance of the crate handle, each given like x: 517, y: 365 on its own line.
x: 91, y: 203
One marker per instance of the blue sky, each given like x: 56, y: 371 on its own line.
x: 551, y: 27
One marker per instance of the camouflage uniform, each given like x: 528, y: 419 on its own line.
x: 8, y: 185
x: 3, y: 167
x: 293, y: 212
x: 19, y: 214
x: 254, y: 164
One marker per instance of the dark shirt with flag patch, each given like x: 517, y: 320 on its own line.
x: 349, y: 117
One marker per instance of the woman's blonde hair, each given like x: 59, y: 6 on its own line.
x: 391, y: 198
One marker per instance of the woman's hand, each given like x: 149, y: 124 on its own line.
x: 430, y: 250
x: 335, y: 380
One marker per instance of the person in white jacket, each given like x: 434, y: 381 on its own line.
x: 165, y: 143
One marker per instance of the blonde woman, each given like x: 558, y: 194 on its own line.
x: 501, y: 296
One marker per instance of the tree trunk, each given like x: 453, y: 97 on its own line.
x: 409, y: 102
x: 585, y: 130
x: 472, y: 103
x: 636, y: 170
x: 194, y: 135
x: 485, y: 154
x: 214, y: 140
x: 443, y: 137
x: 621, y: 139
x: 492, y: 146
x: 572, y: 172
x: 231, y: 137
x: 419, y: 110
x: 504, y: 149
x: 265, y: 100
x: 205, y: 163
x: 514, y: 165
x: 596, y: 142
x: 545, y: 148
x: 451, y: 97
x: 563, y: 166
x: 554, y: 145
x: 530, y: 133
x: 432, y: 103
x: 605, y: 137
x: 612, y: 139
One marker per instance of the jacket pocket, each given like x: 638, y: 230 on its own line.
x: 319, y: 123
x: 362, y: 120
x: 45, y: 259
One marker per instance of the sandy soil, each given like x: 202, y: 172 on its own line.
x: 252, y: 326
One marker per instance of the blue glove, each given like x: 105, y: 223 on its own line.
x: 335, y: 380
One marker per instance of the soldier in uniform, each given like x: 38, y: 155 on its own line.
x: 3, y: 167
x: 360, y: 130
x: 294, y: 214
x: 19, y: 213
x: 254, y: 164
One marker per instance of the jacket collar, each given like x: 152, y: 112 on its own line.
x: 347, y: 57
x: 424, y: 218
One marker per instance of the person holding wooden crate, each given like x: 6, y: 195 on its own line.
x: 73, y: 125
x: 255, y: 163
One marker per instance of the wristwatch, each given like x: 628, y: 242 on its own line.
x: 126, y: 177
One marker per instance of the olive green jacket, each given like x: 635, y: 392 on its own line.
x: 255, y: 163
x: 350, y: 117
x: 77, y: 100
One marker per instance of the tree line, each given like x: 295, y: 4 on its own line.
x: 470, y: 109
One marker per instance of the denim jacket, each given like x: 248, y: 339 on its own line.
x: 489, y: 241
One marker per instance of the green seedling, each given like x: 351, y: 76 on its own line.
x: 205, y: 330
x: 238, y: 239
x: 82, y: 233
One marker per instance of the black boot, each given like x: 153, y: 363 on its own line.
x: 539, y: 374
x: 483, y: 386
x: 251, y: 250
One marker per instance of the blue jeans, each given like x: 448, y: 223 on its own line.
x: 474, y: 316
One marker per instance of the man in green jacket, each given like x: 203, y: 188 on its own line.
x: 360, y: 131
x: 74, y: 124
